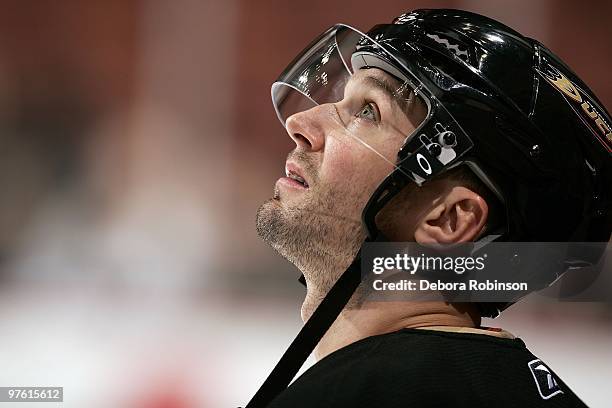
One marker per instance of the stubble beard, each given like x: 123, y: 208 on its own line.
x: 320, y: 236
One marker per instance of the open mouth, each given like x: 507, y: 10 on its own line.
x: 294, y: 176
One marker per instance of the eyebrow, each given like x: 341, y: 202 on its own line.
x: 397, y: 95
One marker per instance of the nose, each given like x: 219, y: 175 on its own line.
x: 307, y: 128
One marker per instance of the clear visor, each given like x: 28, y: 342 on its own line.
x: 346, y: 85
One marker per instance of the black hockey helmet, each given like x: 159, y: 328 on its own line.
x: 501, y: 103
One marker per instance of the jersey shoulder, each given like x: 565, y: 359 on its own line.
x: 424, y: 368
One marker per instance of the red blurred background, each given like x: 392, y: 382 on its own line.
x: 137, y: 141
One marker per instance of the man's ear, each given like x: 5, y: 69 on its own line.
x: 458, y: 217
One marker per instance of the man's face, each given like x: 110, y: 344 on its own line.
x: 343, y: 151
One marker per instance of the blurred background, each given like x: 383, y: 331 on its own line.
x: 137, y: 140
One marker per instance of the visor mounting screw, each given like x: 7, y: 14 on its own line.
x: 535, y: 151
x: 448, y: 138
x: 434, y: 149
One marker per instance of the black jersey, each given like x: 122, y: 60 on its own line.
x: 426, y: 368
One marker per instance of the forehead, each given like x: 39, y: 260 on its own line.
x: 371, y: 77
x: 363, y: 80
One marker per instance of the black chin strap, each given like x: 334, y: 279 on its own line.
x: 310, y: 335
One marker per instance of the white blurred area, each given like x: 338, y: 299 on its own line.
x: 137, y: 140
x: 145, y: 350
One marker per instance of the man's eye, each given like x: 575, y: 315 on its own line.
x: 369, y: 111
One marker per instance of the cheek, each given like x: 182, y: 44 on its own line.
x: 353, y: 167
x: 338, y: 162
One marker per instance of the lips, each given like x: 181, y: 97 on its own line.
x: 294, y: 172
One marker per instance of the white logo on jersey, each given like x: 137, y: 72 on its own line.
x: 546, y: 383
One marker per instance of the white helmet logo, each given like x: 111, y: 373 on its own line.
x: 423, y: 163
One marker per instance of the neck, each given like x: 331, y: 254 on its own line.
x: 373, y: 318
